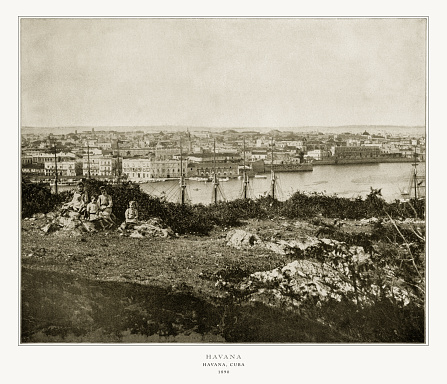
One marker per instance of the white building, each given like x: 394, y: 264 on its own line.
x: 142, y: 169
x: 289, y: 143
x: 316, y: 154
x: 106, y: 166
x: 46, y: 157
x: 258, y: 155
x: 90, y: 165
x: 107, y: 145
x: 64, y: 168
x: 99, y: 166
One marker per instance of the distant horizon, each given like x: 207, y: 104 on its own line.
x: 354, y: 129
x: 220, y: 127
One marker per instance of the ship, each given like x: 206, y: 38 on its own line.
x: 282, y: 167
x: 276, y: 166
x: 291, y: 167
x: 416, y: 185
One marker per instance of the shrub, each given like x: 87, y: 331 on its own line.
x: 37, y: 198
x: 200, y: 219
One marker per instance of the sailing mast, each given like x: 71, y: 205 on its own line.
x: 415, y: 175
x: 55, y: 169
x: 245, y: 178
x: 88, y: 159
x: 118, y: 160
x: 215, y: 179
x: 272, y: 175
x: 182, y: 176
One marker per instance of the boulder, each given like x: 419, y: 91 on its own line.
x: 69, y: 223
x: 51, y: 227
x: 136, y: 235
x: 151, y: 228
x: 51, y: 215
x: 291, y: 247
x: 239, y: 238
x: 300, y: 280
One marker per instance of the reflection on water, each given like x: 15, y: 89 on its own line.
x: 349, y: 180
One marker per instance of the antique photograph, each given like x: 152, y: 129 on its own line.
x: 223, y: 180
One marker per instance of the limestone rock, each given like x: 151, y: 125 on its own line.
x: 239, y: 238
x: 151, y: 228
x: 51, y: 227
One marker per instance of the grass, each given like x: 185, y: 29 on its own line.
x: 155, y: 261
x: 185, y: 269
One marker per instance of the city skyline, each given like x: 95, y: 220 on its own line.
x: 223, y: 72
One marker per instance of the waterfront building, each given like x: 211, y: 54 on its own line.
x: 64, y: 168
x: 106, y: 166
x: 145, y: 169
x: 39, y: 157
x: 102, y: 166
x: 357, y: 152
x: 90, y: 165
x: 26, y: 160
x: 214, y: 157
x: 316, y: 154
x: 207, y: 168
x: 33, y: 169
x: 258, y: 155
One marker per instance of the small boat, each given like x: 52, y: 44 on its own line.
x: 200, y: 178
x: 224, y: 179
x: 260, y: 176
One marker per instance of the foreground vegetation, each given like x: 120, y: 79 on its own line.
x: 201, y: 219
x: 200, y: 265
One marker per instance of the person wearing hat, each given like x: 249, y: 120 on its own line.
x: 105, y: 206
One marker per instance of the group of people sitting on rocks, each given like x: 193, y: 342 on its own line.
x: 98, y: 209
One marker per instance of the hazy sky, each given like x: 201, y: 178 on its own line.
x: 222, y: 72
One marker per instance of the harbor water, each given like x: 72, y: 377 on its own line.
x: 348, y: 181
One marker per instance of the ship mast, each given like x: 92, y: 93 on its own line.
x: 245, y: 178
x: 55, y: 169
x: 415, y: 164
x: 182, y: 176
x: 88, y: 160
x: 272, y: 175
x: 118, y: 161
x: 215, y: 179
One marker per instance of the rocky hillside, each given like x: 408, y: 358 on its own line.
x: 361, y: 279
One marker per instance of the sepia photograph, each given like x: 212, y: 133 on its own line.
x: 242, y: 181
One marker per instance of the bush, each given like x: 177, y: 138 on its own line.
x: 200, y: 219
x: 37, y: 198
